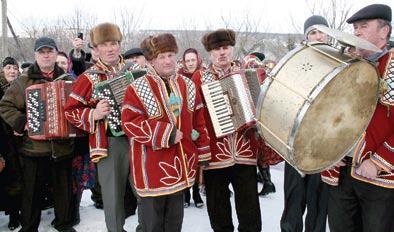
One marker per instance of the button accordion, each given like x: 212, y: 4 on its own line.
x: 229, y: 103
x: 113, y: 91
x: 45, y: 105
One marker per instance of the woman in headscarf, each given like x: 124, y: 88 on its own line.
x: 191, y: 62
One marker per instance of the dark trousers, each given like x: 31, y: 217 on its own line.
x: 301, y: 193
x: 243, y: 179
x: 358, y: 206
x: 162, y: 213
x: 36, y: 172
x: 96, y: 190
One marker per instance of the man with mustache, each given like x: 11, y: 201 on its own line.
x: 110, y: 152
x: 361, y: 193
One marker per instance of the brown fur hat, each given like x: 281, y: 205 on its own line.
x: 154, y: 45
x: 218, y: 38
x: 105, y: 32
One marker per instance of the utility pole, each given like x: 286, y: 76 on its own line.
x: 4, y: 46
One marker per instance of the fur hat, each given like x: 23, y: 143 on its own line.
x: 218, y: 38
x: 154, y: 45
x: 105, y: 32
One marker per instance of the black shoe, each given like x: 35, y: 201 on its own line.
x: 98, y: 205
x: 198, y: 202
x: 14, y: 221
x: 268, y: 188
x: 186, y: 204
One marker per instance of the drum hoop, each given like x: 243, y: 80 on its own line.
x: 263, y: 93
x: 302, y: 111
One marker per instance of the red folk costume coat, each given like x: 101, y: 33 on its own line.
x: 159, y: 167
x: 80, y: 106
x: 240, y: 147
x: 377, y: 143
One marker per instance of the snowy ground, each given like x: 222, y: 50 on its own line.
x: 195, y: 220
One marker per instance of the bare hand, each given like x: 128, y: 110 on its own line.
x: 2, y: 165
x: 340, y: 163
x: 78, y: 44
x: 17, y: 134
x: 25, y: 128
x: 368, y: 169
x: 178, y: 136
x: 102, y: 110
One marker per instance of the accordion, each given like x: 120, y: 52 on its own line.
x: 113, y: 91
x: 229, y: 103
x: 45, y: 105
x: 255, y: 78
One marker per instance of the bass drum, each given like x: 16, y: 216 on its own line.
x: 315, y: 105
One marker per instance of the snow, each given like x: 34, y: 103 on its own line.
x: 195, y: 220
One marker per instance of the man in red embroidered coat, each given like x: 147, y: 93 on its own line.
x: 85, y: 112
x: 361, y: 196
x: 163, y: 117
x: 233, y: 156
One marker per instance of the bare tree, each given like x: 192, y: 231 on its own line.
x: 248, y: 28
x: 335, y: 11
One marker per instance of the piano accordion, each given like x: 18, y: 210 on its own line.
x: 229, y: 104
x: 45, y: 105
x: 113, y: 91
x: 255, y: 78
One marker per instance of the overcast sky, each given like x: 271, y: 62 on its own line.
x: 274, y: 15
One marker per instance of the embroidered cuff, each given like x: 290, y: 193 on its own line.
x: 204, y: 157
x: 92, y: 124
x: 382, y: 163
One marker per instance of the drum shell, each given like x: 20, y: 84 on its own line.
x: 315, y: 105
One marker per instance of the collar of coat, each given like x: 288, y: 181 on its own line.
x: 34, y: 72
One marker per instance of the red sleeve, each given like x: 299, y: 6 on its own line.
x: 137, y: 125
x: 79, y: 106
x: 199, y: 124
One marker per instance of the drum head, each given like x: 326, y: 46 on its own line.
x: 336, y: 118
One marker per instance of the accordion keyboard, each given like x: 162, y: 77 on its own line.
x: 220, y: 112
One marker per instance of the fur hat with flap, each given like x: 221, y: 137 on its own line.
x: 154, y: 45
x: 218, y: 38
x: 105, y: 32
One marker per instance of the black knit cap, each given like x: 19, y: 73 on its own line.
x: 9, y: 60
x: 133, y: 52
x: 374, y: 11
x: 314, y: 20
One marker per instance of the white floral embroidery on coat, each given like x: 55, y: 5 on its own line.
x: 143, y: 135
x: 231, y: 146
x: 190, y: 162
x: 170, y: 180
